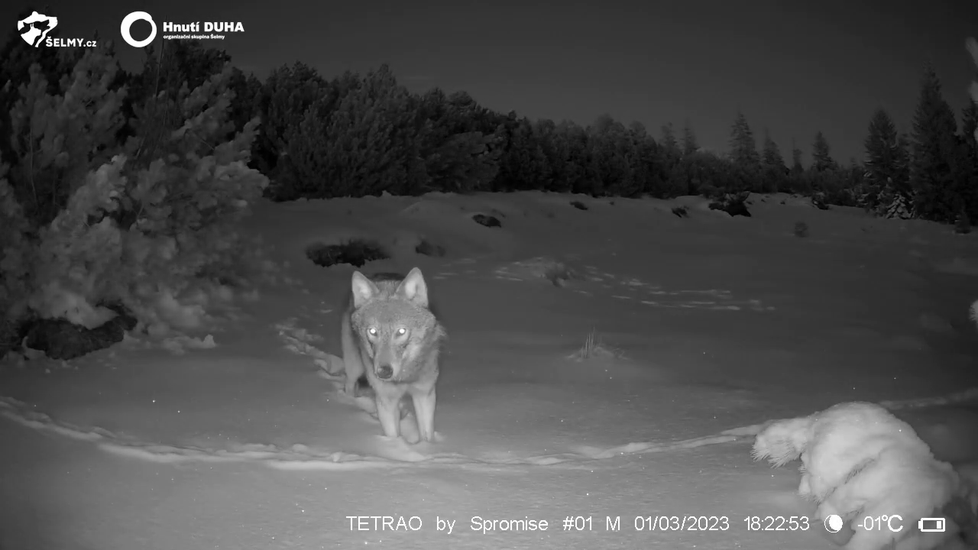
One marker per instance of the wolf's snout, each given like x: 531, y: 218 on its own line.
x: 384, y: 372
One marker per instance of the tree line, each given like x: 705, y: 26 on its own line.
x: 116, y: 184
x: 360, y: 135
x: 357, y: 135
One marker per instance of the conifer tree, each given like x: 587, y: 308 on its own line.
x: 883, y: 152
x: 970, y: 143
x: 56, y: 138
x: 571, y: 148
x: 282, y: 103
x: 174, y: 63
x: 644, y: 158
x: 690, y: 143
x: 772, y: 154
x: 972, y: 46
x: 796, y: 166
x: 522, y: 163
x: 372, y: 141
x: 545, y: 131
x: 821, y: 154
x: 611, y: 148
x: 934, y: 168
x: 125, y: 233
x: 774, y: 170
x: 743, y: 147
x: 458, y: 157
x: 969, y: 162
x: 670, y: 145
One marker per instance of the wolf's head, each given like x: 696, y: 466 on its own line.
x: 393, y: 321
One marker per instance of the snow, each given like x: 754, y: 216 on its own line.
x: 235, y: 435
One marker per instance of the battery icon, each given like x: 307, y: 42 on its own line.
x: 931, y: 525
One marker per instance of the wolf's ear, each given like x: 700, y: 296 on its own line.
x: 414, y: 288
x: 363, y: 289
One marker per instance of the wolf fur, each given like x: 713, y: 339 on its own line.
x: 859, y: 460
x: 390, y: 335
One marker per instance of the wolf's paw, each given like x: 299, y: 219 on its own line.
x: 437, y: 438
x: 409, y: 429
x: 365, y: 404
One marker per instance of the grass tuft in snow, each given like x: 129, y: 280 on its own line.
x: 594, y: 348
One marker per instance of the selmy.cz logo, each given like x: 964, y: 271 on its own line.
x: 36, y: 27
x: 209, y: 30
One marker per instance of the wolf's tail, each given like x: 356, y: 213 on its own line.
x: 962, y: 510
x: 782, y: 441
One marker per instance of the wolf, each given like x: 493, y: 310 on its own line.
x: 859, y: 460
x: 390, y: 335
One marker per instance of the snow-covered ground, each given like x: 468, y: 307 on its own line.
x: 707, y: 327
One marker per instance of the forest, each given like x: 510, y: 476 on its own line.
x: 118, y: 186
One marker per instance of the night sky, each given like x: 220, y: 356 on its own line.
x: 793, y: 67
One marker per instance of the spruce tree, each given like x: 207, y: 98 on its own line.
x: 969, y: 132
x: 690, y: 143
x: 771, y: 157
x: 882, y: 151
x: 969, y: 161
x: 669, y: 143
x: 934, y: 169
x: 970, y: 142
x: 124, y: 233
x: 373, y: 140
x: 49, y: 130
x: 972, y: 46
x: 886, y: 169
x: 572, y: 150
x: 523, y: 164
x: 646, y: 160
x: 282, y: 103
x: 608, y: 141
x: 743, y: 147
x: 796, y: 166
x: 774, y: 171
x: 821, y: 157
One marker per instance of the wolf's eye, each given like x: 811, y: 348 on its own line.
x: 372, y: 331
x: 401, y: 331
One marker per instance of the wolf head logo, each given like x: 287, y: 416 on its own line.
x: 394, y: 323
x: 35, y: 28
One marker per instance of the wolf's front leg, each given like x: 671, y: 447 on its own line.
x: 424, y: 410
x: 389, y: 413
x: 805, y: 486
x: 352, y: 360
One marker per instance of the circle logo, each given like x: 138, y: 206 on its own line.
x: 127, y: 26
